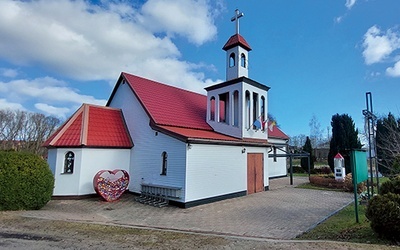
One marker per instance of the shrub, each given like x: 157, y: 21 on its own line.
x: 391, y: 186
x: 26, y: 181
x: 327, y: 181
x: 384, y: 213
x: 349, y: 187
x: 298, y: 170
x: 323, y: 170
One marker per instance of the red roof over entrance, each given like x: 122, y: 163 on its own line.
x: 92, y: 126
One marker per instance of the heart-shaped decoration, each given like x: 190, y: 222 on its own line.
x: 111, y: 184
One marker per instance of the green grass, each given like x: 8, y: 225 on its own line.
x: 343, y: 227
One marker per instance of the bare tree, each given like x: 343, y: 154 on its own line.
x: 388, y: 144
x: 315, y: 131
x: 23, y: 131
x: 297, y: 140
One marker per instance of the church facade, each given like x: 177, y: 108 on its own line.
x: 196, y: 148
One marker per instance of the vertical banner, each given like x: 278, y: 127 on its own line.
x: 359, y: 168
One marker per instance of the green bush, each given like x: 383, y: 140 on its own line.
x: 391, y: 186
x: 26, y: 181
x: 384, y: 213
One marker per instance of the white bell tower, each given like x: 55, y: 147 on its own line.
x: 237, y: 53
x: 238, y: 107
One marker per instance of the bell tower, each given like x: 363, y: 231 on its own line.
x: 237, y: 50
x: 238, y: 107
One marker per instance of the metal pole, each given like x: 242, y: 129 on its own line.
x: 373, y: 160
x: 367, y: 97
x: 291, y: 170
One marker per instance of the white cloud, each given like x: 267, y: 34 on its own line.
x: 45, y: 90
x: 11, y: 73
x: 4, y: 104
x: 53, y: 111
x: 83, y: 41
x: 378, y: 45
x: 350, y: 3
x: 394, y: 71
x: 338, y: 19
x: 190, y: 18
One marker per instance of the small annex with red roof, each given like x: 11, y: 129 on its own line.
x: 193, y: 148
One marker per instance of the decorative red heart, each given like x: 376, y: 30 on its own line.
x: 111, y: 184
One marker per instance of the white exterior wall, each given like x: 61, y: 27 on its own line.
x: 215, y: 170
x: 88, y: 161
x: 279, y: 167
x: 146, y: 155
x: 251, y: 133
x: 226, y: 127
x: 237, y: 70
x: 94, y: 160
x: 66, y: 184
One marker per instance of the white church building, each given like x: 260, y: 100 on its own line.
x: 196, y: 148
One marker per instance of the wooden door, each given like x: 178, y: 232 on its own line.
x: 255, y: 173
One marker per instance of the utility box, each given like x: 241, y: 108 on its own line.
x: 340, y: 171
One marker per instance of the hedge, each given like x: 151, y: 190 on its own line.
x: 26, y: 181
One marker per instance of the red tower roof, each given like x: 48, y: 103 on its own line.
x: 235, y: 40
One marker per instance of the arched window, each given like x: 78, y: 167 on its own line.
x: 243, y: 61
x: 164, y: 160
x: 255, y: 108
x: 262, y: 108
x: 248, y: 114
x: 69, y: 162
x: 212, y: 108
x: 232, y: 60
x: 223, y: 108
x: 236, y: 108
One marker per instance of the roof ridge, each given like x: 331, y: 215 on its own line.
x: 85, y: 124
x: 165, y: 84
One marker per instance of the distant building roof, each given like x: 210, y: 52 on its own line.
x: 92, y: 126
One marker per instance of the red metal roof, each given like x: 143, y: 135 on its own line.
x: 168, y: 105
x: 235, y: 40
x: 92, y: 126
x: 179, y: 111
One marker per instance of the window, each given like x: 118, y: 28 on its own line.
x: 243, y: 61
x: 231, y: 60
x: 164, y: 160
x: 255, y: 108
x: 248, y: 123
x: 262, y: 109
x: 212, y: 109
x: 274, y: 153
x: 223, y: 109
x: 236, y: 108
x: 69, y: 162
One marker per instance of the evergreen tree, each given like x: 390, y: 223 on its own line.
x: 304, y: 161
x: 344, y: 139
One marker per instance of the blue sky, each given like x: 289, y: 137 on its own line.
x: 318, y: 57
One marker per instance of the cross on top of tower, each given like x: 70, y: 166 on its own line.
x: 235, y: 18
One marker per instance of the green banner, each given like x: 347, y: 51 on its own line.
x: 359, y: 166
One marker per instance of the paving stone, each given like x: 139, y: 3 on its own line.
x: 283, y: 212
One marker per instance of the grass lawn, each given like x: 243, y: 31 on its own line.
x: 343, y: 227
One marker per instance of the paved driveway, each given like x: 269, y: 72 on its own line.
x: 281, y: 213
